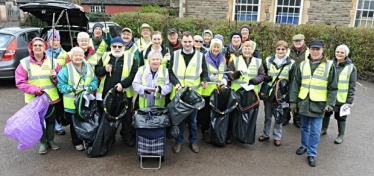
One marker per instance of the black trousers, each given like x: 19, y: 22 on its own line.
x: 74, y: 138
x: 50, y: 116
x: 204, y: 116
x: 127, y: 130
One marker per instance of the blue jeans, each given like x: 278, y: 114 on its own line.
x: 58, y: 126
x: 192, y: 128
x: 310, y: 133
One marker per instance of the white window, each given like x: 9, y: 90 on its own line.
x: 97, y: 9
x: 364, y: 13
x: 246, y: 10
x: 288, y: 11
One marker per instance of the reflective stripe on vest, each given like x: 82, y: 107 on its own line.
x: 128, y: 56
x: 343, y: 83
x: 188, y: 76
x: 159, y: 99
x: 213, y: 70
x: 101, y: 49
x: 306, y: 53
x: 273, y: 71
x: 40, y: 77
x: 316, y: 85
x: 247, y: 72
x: 61, y: 58
x: 93, y: 60
x: 143, y: 44
x: 74, y: 80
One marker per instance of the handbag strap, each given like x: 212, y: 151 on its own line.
x: 278, y: 75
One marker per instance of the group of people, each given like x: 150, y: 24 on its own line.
x: 151, y: 71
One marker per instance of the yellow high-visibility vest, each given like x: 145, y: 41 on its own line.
x: 247, y: 72
x: 101, y: 49
x: 61, y: 58
x: 127, y: 64
x: 212, y: 84
x: 316, y: 85
x: 161, y: 76
x: 143, y: 44
x: 273, y: 71
x: 188, y: 76
x: 343, y: 83
x: 74, y: 80
x: 40, y: 77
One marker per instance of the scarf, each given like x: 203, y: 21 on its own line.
x: 237, y: 52
x: 215, y: 60
x: 129, y: 45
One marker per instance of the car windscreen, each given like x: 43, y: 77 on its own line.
x: 4, y: 40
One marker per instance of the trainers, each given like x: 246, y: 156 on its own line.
x: 312, y: 161
x: 79, y: 147
x: 301, y: 150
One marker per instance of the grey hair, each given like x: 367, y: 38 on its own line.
x: 154, y: 53
x: 74, y: 50
x: 83, y: 35
x: 344, y: 47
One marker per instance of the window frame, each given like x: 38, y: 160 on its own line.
x: 97, y: 9
x: 288, y: 6
x: 245, y: 4
x: 362, y: 11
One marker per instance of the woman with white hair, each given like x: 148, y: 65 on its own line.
x: 347, y: 77
x: 89, y: 52
x: 198, y: 44
x: 72, y: 79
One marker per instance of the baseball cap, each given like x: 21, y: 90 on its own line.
x: 316, y: 44
x: 127, y: 29
x: 172, y: 30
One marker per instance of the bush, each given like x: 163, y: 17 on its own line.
x: 98, y: 16
x: 266, y: 34
x: 157, y: 9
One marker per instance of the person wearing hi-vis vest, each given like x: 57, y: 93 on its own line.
x: 35, y: 75
x: 152, y: 82
x: 347, y: 77
x: 187, y: 68
x: 298, y: 52
x: 217, y: 76
x: 283, y: 65
x: 118, y: 69
x: 75, y: 77
x: 56, y: 51
x: 126, y: 35
x: 313, y: 93
x: 156, y: 45
x: 145, y: 31
x: 90, y: 55
x: 245, y: 70
x: 101, y: 39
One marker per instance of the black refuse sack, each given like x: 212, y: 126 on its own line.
x: 223, y: 102
x: 244, y: 117
x: 182, y: 105
x: 115, y: 106
x: 151, y: 117
x: 85, y: 120
x: 281, y: 96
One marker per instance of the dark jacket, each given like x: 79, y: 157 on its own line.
x: 298, y: 56
x: 111, y: 81
x: 141, y: 55
x: 255, y: 81
x: 308, y: 107
x: 172, y: 47
x: 352, y: 80
x: 187, y: 58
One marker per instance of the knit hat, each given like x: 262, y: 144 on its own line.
x: 118, y: 39
x: 36, y: 39
x: 235, y: 33
x: 245, y: 26
x: 219, y: 36
x: 344, y: 47
x: 97, y: 25
x: 208, y: 31
x: 56, y: 35
x: 215, y: 41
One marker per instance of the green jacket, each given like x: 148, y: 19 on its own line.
x: 308, y: 107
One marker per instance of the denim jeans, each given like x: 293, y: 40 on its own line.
x: 58, y: 126
x: 192, y: 128
x: 310, y: 133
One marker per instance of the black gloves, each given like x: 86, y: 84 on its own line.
x: 268, y: 79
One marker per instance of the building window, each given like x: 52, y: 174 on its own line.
x: 364, y: 13
x: 288, y: 11
x: 97, y: 9
x: 246, y: 10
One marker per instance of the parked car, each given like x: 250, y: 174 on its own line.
x: 14, y: 47
x: 114, y: 28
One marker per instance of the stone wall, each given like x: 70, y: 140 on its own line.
x: 216, y: 9
x: 335, y: 12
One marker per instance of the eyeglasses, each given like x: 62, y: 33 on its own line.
x: 40, y: 45
x: 117, y: 46
x: 280, y: 49
x: 197, y: 41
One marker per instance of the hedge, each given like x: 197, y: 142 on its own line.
x: 265, y: 34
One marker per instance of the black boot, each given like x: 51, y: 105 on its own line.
x: 341, y: 129
x: 50, y: 136
x: 325, y: 125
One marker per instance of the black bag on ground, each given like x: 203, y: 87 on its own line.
x: 281, y: 96
x: 223, y: 102
x: 244, y: 117
x: 182, y: 105
x: 85, y: 119
x: 151, y: 117
x: 115, y: 106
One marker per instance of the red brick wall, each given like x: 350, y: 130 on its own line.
x: 114, y: 9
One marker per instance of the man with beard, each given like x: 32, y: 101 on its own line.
x: 118, y: 68
x: 99, y: 41
x: 126, y: 35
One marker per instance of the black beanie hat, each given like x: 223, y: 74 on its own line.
x: 235, y: 33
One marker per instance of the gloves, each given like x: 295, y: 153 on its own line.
x: 39, y: 92
x: 329, y: 108
x: 251, y: 82
x: 105, y: 30
x: 224, y: 82
x: 268, y: 79
x: 293, y: 108
x: 213, y: 77
x: 72, y: 89
x: 89, y: 90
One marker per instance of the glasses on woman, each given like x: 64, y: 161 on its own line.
x: 198, y: 41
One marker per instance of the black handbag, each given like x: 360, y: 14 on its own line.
x: 265, y: 88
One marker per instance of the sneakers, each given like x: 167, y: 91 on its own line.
x: 300, y: 150
x: 79, y: 147
x: 312, y: 161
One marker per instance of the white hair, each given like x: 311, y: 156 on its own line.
x: 74, y: 50
x: 155, y: 53
x: 83, y: 35
x: 344, y: 47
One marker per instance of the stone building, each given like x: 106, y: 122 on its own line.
x: 358, y: 13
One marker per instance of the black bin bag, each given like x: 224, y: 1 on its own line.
x: 151, y: 117
x: 223, y: 101
x: 85, y: 119
x: 115, y: 107
x: 244, y: 117
x: 281, y: 96
x: 182, y: 105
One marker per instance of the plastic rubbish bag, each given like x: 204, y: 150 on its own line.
x: 151, y: 117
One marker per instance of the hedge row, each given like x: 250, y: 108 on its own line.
x: 359, y: 40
